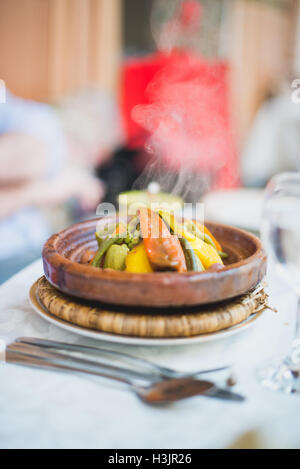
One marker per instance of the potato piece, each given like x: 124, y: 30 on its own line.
x: 137, y: 260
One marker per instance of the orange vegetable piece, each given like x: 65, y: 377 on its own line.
x: 163, y: 249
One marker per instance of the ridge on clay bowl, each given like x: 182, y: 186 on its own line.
x: 65, y: 258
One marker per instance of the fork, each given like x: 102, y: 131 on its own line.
x: 162, y: 371
x: 152, y: 391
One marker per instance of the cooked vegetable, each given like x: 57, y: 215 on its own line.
x: 99, y: 238
x: 115, y: 257
x: 192, y: 260
x: 171, y: 221
x: 105, y: 245
x: 137, y: 260
x: 200, y: 231
x: 120, y: 229
x: 207, y: 235
x: 223, y: 255
x: 110, y: 231
x: 134, y: 240
x: 133, y: 224
x: 152, y: 241
x: 206, y: 253
x: 163, y: 249
x: 101, y: 235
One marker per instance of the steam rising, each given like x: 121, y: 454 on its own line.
x: 187, y: 123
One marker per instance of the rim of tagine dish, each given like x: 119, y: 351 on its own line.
x: 66, y: 268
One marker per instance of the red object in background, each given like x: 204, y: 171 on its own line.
x: 136, y: 75
x: 149, y: 83
x: 178, y: 103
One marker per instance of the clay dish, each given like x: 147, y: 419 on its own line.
x: 66, y: 255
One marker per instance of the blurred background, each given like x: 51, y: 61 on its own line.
x: 102, y: 96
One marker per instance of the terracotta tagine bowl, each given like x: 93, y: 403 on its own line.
x: 66, y: 255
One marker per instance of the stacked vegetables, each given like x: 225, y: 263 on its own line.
x: 155, y: 241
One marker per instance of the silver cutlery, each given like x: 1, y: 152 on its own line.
x: 154, y: 392
x: 82, y: 364
x: 162, y: 371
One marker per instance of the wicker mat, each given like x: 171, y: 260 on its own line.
x: 179, y: 322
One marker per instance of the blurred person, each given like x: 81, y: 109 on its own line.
x: 92, y: 123
x: 33, y: 153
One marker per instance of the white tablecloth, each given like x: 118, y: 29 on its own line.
x: 43, y: 409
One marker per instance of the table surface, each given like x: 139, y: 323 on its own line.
x: 44, y: 409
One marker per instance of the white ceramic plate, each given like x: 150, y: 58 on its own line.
x: 131, y: 340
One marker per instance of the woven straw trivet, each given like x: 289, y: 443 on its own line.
x: 184, y: 322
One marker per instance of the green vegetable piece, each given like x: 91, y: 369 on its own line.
x: 115, y: 257
x: 200, y: 266
x: 105, y: 245
x: 99, y: 239
x: 132, y: 225
x: 192, y: 260
x: 208, y: 240
x: 128, y: 238
x: 192, y: 227
x: 223, y: 255
x: 107, y: 230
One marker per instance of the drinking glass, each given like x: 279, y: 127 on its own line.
x: 280, y: 232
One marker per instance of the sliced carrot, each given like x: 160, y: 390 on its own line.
x: 163, y: 249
